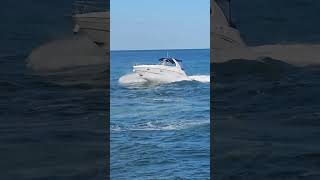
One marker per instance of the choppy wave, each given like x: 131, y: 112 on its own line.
x: 162, y: 126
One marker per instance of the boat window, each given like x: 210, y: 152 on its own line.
x: 167, y: 62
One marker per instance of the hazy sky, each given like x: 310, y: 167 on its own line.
x: 160, y: 24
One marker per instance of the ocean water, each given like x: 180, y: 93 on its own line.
x: 267, y: 109
x: 160, y: 131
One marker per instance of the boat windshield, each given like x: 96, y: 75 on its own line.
x: 169, y: 62
x: 166, y: 63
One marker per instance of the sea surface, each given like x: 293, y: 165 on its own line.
x: 267, y: 110
x: 160, y: 131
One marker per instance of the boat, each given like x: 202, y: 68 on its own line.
x: 92, y: 18
x: 167, y: 71
x: 224, y: 33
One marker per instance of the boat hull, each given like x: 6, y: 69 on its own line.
x: 158, y: 74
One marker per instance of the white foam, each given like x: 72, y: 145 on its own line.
x: 116, y: 128
x: 200, y: 78
x: 156, y: 126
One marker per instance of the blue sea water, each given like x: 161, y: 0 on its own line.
x: 162, y: 131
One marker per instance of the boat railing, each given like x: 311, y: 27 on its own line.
x: 139, y: 64
x: 82, y: 7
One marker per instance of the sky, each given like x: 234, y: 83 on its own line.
x: 160, y: 24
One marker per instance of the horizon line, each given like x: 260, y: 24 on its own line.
x: 158, y: 49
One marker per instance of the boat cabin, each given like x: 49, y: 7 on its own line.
x: 171, y: 62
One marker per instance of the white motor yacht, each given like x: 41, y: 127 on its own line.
x: 168, y: 70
